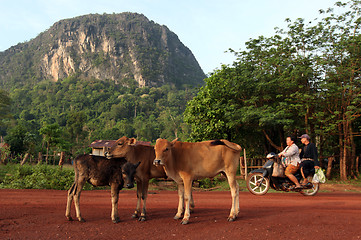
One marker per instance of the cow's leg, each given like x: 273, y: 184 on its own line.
x: 235, y: 196
x: 114, y: 189
x: 79, y: 186
x: 237, y: 199
x: 139, y: 191
x: 187, y: 198
x: 192, y: 203
x: 145, y: 184
x: 70, y: 201
x: 181, y: 201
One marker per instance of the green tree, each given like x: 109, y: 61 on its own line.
x: 75, y: 124
x: 303, y: 79
x: 52, y: 135
x: 340, y: 61
x: 15, y: 139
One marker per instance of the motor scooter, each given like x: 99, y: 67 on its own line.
x: 260, y: 180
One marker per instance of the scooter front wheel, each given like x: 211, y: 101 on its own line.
x: 255, y: 186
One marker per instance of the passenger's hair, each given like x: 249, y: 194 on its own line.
x: 293, y: 138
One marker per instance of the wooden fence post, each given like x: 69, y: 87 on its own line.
x: 245, y: 164
x: 241, y: 165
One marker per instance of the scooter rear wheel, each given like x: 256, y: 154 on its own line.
x: 255, y: 186
x: 311, y: 191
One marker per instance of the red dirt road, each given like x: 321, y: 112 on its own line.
x: 39, y: 214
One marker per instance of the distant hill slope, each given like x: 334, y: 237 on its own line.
x: 121, y: 47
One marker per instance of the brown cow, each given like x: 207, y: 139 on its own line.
x: 133, y: 152
x: 185, y: 162
x: 100, y: 171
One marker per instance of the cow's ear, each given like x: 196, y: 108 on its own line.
x: 132, y: 141
x: 174, y: 141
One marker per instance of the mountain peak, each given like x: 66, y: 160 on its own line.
x: 120, y: 47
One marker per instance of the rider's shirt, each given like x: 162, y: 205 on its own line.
x: 292, y: 155
x: 309, y: 151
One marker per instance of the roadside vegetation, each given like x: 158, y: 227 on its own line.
x: 15, y: 176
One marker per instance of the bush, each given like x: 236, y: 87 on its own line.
x: 209, y: 183
x: 38, y: 177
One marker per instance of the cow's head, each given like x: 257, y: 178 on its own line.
x: 121, y: 148
x: 128, y: 172
x: 163, y: 151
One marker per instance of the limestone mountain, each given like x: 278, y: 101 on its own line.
x: 120, y: 47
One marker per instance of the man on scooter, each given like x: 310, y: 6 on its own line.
x: 309, y: 157
x: 292, y: 160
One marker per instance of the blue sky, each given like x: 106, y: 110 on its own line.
x: 207, y: 27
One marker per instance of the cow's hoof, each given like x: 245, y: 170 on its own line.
x: 116, y: 220
x: 69, y: 218
x: 231, y: 219
x: 135, y: 215
x: 176, y: 217
x: 185, y: 222
x: 141, y: 219
x: 81, y: 220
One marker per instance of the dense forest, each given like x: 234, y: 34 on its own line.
x: 68, y: 115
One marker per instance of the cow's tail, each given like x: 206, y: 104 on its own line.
x: 74, y: 187
x: 227, y: 143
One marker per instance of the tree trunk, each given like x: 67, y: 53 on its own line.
x: 329, y: 167
x: 54, y: 157
x: 24, y: 159
x: 353, y: 153
x: 62, y: 158
x: 347, y: 149
x: 343, y: 163
x: 47, y: 154
x: 271, y: 142
x: 353, y: 168
x: 357, y: 166
x: 320, y: 150
x: 343, y: 153
x: 306, y: 120
x: 40, y: 158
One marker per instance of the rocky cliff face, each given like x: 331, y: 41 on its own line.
x: 120, y: 47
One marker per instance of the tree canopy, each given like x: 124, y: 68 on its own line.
x: 304, y: 79
x: 71, y: 113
